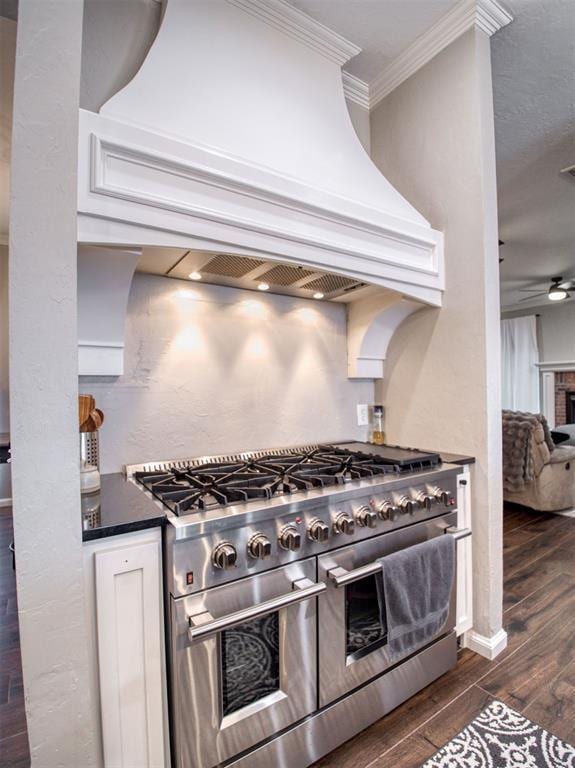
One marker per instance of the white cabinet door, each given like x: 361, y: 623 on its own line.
x: 464, y: 619
x: 130, y: 654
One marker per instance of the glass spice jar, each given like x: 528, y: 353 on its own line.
x: 377, y: 430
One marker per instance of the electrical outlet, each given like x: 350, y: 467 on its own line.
x: 362, y: 415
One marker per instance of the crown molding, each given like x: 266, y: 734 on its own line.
x: 301, y: 27
x: 355, y: 90
x: 486, y: 15
x: 490, y: 17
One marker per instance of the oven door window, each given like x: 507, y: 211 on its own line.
x: 250, y: 662
x: 366, y: 627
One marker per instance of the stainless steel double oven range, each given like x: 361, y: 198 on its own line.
x: 277, y: 647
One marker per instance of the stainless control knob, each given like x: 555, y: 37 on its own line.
x: 366, y: 517
x: 318, y: 531
x: 259, y: 546
x: 224, y: 556
x: 444, y: 497
x: 424, y: 500
x: 387, y: 510
x: 407, y: 506
x: 344, y: 524
x: 289, y: 538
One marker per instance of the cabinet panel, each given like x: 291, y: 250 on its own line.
x: 464, y: 619
x: 130, y: 648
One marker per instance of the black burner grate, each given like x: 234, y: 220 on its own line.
x: 185, y: 489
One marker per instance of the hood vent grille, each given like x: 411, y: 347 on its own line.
x: 328, y: 283
x: 284, y: 275
x: 231, y: 266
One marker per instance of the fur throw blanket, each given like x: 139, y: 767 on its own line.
x: 527, y: 446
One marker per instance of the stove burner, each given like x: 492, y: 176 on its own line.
x: 196, y: 487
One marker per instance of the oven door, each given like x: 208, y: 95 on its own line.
x: 244, y: 663
x: 353, y: 641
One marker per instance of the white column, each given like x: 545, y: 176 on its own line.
x: 433, y: 138
x: 43, y: 383
x: 548, y: 397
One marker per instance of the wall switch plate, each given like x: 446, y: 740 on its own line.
x: 362, y: 415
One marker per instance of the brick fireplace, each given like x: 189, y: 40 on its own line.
x: 564, y: 397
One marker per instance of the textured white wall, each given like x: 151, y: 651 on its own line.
x: 433, y: 138
x: 7, y: 54
x: 555, y: 330
x: 43, y: 385
x: 5, y: 490
x: 212, y: 370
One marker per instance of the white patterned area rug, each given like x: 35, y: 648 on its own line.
x: 566, y: 513
x: 502, y: 738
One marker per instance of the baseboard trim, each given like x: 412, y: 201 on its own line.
x: 5, y: 502
x: 489, y: 647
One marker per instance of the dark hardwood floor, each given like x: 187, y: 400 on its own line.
x: 534, y: 675
x: 13, y: 736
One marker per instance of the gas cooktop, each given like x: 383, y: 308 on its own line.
x: 195, y: 485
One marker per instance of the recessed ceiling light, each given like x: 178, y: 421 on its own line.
x: 195, y: 276
x: 263, y: 287
x: 318, y: 295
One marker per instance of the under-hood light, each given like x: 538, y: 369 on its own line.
x: 263, y: 287
x: 195, y: 276
x: 318, y: 295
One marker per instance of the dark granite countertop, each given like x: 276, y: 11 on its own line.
x: 119, y: 507
x: 456, y: 458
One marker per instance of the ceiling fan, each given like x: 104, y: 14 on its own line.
x: 557, y: 291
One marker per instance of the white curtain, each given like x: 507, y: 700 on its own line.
x: 519, y: 355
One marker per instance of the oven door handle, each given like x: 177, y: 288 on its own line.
x: 203, y: 626
x: 341, y: 576
x: 458, y: 533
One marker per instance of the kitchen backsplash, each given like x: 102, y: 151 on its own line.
x: 210, y: 370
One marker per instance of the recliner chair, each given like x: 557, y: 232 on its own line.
x: 536, y: 473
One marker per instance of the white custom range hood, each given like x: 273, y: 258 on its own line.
x: 234, y: 137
